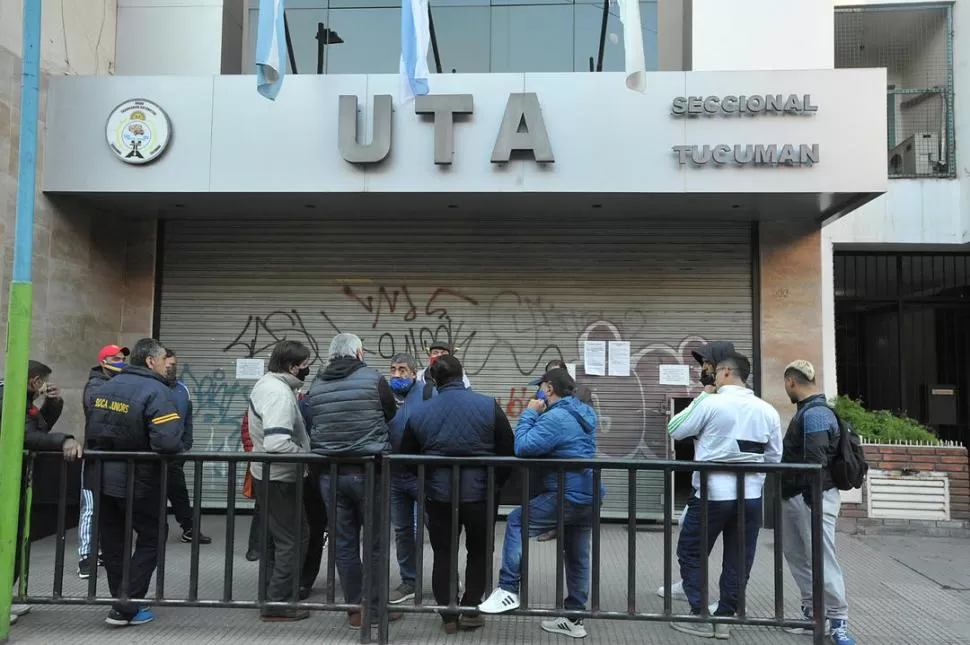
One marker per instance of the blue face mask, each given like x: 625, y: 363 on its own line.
x: 541, y: 394
x: 115, y: 367
x: 401, y: 385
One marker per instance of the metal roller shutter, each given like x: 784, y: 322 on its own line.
x: 509, y: 294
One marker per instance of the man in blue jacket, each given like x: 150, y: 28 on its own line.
x: 556, y: 426
x: 178, y: 493
x: 458, y: 423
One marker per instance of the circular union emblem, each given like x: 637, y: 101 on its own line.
x: 138, y: 131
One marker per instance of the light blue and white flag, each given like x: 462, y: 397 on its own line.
x: 415, y: 39
x: 635, y: 65
x: 271, y: 51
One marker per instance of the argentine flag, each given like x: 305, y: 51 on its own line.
x: 415, y: 39
x: 633, y: 44
x: 270, y: 48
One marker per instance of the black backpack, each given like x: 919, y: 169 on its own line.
x: 849, y: 466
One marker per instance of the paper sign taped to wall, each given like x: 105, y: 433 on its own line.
x: 675, y: 375
x: 571, y: 368
x: 594, y: 358
x: 249, y: 369
x: 619, y: 358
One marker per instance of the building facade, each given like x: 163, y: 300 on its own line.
x: 526, y: 210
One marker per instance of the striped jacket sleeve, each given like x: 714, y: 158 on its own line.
x: 690, y: 421
x: 164, y: 422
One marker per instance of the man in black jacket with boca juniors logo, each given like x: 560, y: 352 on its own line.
x: 134, y: 411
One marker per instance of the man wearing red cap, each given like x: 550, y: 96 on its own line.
x: 111, y: 360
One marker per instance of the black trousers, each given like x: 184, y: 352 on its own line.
x: 472, y: 519
x: 178, y: 495
x: 284, y: 553
x: 142, y: 561
x: 316, y: 515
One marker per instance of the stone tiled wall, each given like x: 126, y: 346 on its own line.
x: 93, y: 272
x: 791, y: 305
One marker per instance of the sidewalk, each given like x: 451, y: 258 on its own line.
x: 901, y: 591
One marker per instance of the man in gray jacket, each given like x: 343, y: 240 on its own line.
x: 350, y: 405
x: 276, y: 426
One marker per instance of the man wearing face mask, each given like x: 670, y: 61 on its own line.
x: 178, y: 493
x: 276, y: 426
x: 111, y: 360
x: 438, y: 349
x: 133, y: 412
x: 404, y: 484
x: 38, y: 437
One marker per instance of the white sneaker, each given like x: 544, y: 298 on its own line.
x: 13, y: 618
x: 565, y: 626
x: 19, y: 610
x: 676, y: 591
x: 499, y: 602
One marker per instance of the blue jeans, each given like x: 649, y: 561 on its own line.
x: 404, y: 496
x: 349, y: 517
x: 544, y: 516
x: 722, y: 518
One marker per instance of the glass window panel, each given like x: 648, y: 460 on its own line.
x: 372, y: 41
x: 648, y: 18
x: 463, y: 35
x: 589, y: 22
x: 536, y: 38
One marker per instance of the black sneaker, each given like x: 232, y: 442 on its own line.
x: 187, y: 537
x: 84, y: 568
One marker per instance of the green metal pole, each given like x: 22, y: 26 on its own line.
x: 19, y: 314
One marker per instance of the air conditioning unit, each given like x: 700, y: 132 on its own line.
x: 917, y: 155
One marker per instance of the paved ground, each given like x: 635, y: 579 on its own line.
x: 902, y: 591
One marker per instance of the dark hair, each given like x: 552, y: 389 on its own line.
x: 144, y: 349
x: 560, y: 380
x: 446, y: 369
x: 286, y: 354
x: 405, y: 359
x: 36, y: 369
x: 738, y: 363
x: 169, y: 353
x: 798, y: 376
x: 555, y: 364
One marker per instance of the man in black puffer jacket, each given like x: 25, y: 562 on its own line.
x: 134, y: 411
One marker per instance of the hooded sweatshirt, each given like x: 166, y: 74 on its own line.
x: 566, y: 430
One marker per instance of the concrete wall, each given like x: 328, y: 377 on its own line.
x: 149, y: 29
x: 93, y: 273
x: 762, y: 34
x: 79, y: 35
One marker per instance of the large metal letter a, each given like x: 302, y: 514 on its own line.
x: 522, y: 129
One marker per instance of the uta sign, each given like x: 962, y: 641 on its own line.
x: 522, y: 130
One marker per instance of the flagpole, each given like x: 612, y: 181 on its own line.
x: 19, y: 313
x: 289, y: 44
x: 434, y: 40
x: 606, y: 16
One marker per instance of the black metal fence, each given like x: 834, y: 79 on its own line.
x: 377, y: 508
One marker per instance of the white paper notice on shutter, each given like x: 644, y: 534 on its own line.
x: 619, y: 358
x: 594, y: 358
x: 249, y: 369
x: 571, y: 368
x: 675, y: 375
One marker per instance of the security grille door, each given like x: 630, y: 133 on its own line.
x: 508, y: 297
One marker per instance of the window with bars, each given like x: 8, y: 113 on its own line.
x: 915, y: 45
x: 903, y: 333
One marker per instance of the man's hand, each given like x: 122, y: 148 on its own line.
x: 72, y: 450
x: 53, y: 392
x: 537, y: 405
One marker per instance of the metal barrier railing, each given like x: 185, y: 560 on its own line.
x: 378, y: 480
